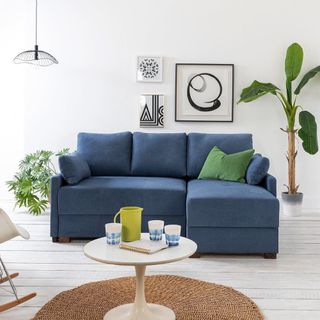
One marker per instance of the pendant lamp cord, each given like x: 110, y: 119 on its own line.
x: 36, y: 25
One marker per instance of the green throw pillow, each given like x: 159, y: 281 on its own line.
x: 222, y: 166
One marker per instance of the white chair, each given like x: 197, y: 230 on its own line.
x: 9, y: 230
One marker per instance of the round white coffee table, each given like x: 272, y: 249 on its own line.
x: 139, y: 310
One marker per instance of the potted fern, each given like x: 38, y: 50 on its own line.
x: 307, y: 130
x: 31, y: 184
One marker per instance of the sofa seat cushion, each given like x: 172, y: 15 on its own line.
x: 214, y: 203
x: 106, y: 195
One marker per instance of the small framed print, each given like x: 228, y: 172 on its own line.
x: 204, y: 92
x: 151, y: 110
x: 149, y: 69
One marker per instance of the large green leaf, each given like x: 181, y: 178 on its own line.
x: 256, y: 90
x: 308, y: 132
x: 309, y: 75
x: 294, y: 59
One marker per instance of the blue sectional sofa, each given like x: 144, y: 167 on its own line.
x: 158, y: 171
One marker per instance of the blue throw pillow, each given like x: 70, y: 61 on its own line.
x: 257, y: 169
x: 74, y: 168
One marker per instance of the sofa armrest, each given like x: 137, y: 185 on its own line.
x: 269, y: 182
x: 56, y: 183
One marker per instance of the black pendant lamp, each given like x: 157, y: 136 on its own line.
x: 36, y: 56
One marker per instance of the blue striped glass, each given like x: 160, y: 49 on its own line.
x: 155, y: 234
x: 113, y: 237
x: 172, y: 240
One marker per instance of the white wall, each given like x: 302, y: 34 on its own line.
x: 12, y: 16
x: 96, y: 42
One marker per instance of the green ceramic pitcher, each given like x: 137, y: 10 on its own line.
x: 130, y: 218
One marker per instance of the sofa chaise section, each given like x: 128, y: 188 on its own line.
x: 231, y: 217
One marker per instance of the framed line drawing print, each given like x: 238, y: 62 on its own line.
x: 151, y: 111
x: 204, y: 92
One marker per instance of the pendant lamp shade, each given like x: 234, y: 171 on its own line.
x: 36, y: 57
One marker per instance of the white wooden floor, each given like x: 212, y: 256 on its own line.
x: 286, y: 288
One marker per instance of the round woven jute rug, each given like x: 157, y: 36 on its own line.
x: 190, y: 300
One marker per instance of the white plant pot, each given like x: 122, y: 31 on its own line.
x: 292, y: 204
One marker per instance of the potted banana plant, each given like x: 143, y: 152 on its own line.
x: 307, y: 128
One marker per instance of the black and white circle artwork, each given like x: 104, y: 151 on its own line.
x: 149, y: 69
x: 204, y: 92
x: 197, y: 85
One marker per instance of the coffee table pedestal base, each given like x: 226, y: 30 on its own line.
x: 152, y: 312
x: 140, y: 309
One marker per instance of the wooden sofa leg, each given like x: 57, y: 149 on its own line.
x: 61, y: 239
x: 196, y: 255
x: 64, y: 240
x: 270, y: 255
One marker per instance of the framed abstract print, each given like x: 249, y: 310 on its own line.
x: 149, y: 69
x: 204, y: 92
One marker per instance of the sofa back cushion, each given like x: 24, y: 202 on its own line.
x: 200, y: 144
x: 106, y: 154
x: 159, y: 154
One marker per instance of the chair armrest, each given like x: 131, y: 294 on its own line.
x: 269, y: 182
